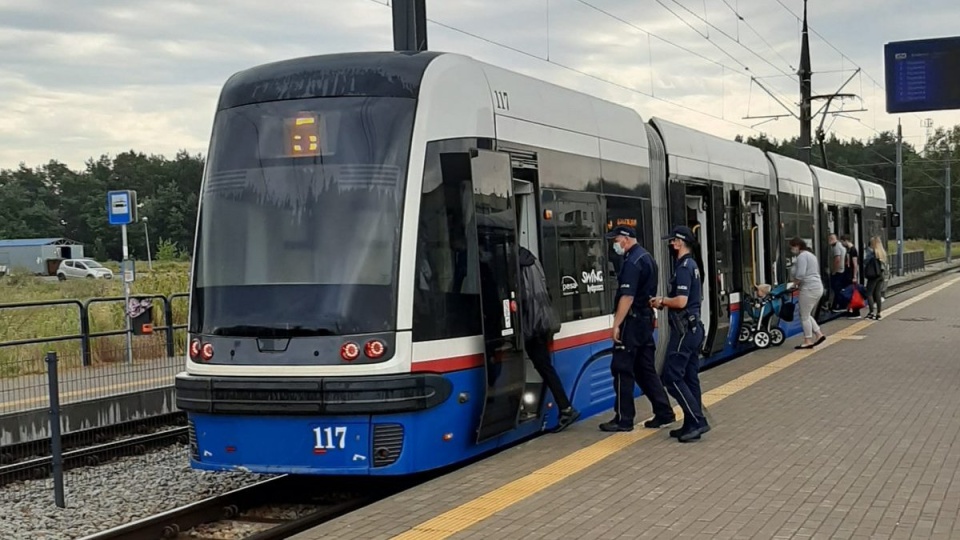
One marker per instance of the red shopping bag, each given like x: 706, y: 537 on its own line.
x: 856, y: 300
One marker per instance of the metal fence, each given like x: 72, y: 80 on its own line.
x: 85, y: 335
x: 65, y: 434
x: 913, y: 261
x: 89, y: 338
x: 67, y: 375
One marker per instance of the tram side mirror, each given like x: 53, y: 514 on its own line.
x: 894, y: 219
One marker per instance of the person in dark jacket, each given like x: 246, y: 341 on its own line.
x: 539, y: 325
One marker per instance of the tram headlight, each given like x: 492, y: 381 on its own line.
x: 374, y: 349
x: 349, y: 351
x: 206, y: 352
x: 194, y: 349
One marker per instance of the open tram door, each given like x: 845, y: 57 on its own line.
x: 496, y: 229
x: 758, y: 243
x: 703, y: 221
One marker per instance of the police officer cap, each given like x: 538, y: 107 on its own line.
x: 681, y: 232
x: 622, y: 230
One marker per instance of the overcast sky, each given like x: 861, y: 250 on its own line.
x: 77, y: 82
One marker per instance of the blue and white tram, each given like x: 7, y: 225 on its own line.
x: 353, y: 305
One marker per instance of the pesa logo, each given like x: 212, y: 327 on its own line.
x: 569, y: 286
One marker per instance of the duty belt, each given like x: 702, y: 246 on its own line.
x: 681, y: 318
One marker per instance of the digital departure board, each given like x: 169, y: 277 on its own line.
x: 922, y: 75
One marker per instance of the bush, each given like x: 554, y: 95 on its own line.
x: 167, y: 251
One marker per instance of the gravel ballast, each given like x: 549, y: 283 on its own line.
x: 112, y: 494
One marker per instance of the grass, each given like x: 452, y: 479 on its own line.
x: 932, y: 249
x: 63, y: 320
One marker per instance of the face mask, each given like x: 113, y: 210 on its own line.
x: 617, y: 248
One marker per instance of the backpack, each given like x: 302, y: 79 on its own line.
x: 539, y: 315
x: 873, y: 269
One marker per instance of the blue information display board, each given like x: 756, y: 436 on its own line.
x: 922, y: 75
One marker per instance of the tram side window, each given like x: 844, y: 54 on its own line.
x: 446, y: 291
x: 573, y: 239
x: 623, y: 211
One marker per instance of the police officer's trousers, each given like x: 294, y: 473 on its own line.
x: 681, y: 371
x: 634, y: 362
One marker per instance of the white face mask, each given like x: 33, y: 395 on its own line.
x: 617, y: 248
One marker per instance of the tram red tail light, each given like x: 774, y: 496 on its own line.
x: 194, y: 349
x: 206, y: 352
x: 374, y: 348
x: 349, y: 351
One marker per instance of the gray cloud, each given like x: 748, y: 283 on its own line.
x: 113, y: 75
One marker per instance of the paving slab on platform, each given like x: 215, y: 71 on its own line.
x: 855, y: 439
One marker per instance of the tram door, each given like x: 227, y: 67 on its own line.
x: 526, y: 209
x: 855, y: 235
x: 699, y: 223
x: 496, y: 224
x: 758, y: 242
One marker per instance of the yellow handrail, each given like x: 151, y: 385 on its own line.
x: 753, y: 256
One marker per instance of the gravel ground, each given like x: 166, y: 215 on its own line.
x: 112, y: 494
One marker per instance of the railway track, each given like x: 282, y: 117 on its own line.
x: 41, y: 467
x: 895, y: 290
x: 88, y: 437
x: 270, y: 510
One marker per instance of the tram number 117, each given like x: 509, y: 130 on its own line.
x: 330, y: 438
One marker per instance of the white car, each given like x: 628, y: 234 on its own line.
x: 82, y: 268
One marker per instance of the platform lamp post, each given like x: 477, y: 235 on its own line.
x: 146, y: 233
x: 948, y: 215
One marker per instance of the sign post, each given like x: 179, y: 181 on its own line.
x: 122, y: 211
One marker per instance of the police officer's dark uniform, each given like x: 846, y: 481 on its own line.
x: 634, y: 357
x: 681, y: 368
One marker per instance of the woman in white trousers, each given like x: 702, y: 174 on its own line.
x: 806, y: 276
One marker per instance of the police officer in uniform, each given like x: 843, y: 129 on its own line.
x: 682, y: 365
x: 633, y: 355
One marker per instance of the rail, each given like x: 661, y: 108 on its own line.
x: 253, y: 504
x: 42, y: 467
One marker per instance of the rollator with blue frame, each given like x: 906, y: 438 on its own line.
x: 766, y: 305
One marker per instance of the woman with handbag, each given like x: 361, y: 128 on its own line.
x: 875, y: 270
x: 540, y: 323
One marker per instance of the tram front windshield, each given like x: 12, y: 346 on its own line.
x: 300, y: 215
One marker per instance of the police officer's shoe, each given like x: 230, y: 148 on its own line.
x: 613, y: 425
x: 675, y: 433
x: 655, y: 423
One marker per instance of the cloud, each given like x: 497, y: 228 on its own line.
x: 115, y: 75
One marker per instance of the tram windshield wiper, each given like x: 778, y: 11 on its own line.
x: 273, y: 331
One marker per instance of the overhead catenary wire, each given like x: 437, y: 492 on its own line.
x: 528, y: 54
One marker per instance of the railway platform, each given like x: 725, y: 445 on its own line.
x: 853, y: 439
x: 90, y: 397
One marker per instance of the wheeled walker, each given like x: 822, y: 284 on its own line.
x: 767, y: 305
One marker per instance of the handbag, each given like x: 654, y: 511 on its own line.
x: 787, y: 311
x: 856, y: 300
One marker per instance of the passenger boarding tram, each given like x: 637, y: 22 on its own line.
x: 354, y: 299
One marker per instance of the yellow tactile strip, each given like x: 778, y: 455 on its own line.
x: 485, y: 506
